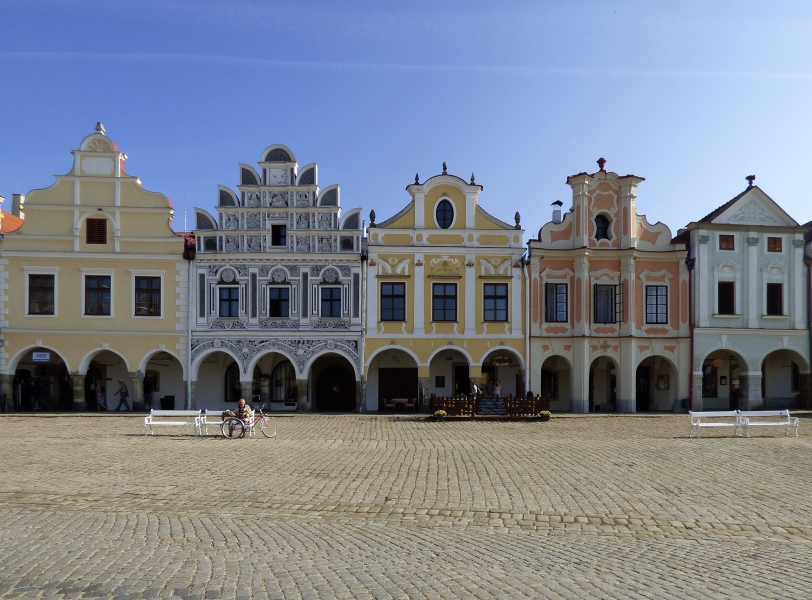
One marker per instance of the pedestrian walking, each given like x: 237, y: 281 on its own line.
x: 124, y: 394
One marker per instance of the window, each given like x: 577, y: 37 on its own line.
x: 549, y: 384
x: 555, y: 303
x: 444, y: 302
x: 709, y: 380
x: 445, y: 214
x: 96, y: 232
x: 40, y: 294
x: 283, y: 383
x: 210, y: 244
x: 229, y: 302
x: 330, y: 302
x: 97, y: 295
x: 656, y: 304
x: 773, y: 244
x: 605, y: 303
x: 496, y: 302
x: 148, y: 296
x: 727, y: 242
x: 601, y: 228
x: 393, y: 302
x: 775, y: 304
x: 727, y: 298
x: 279, y: 302
x: 279, y: 235
x: 347, y: 244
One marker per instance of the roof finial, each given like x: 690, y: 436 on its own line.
x: 750, y: 179
x: 473, y: 179
x: 445, y: 168
x: 100, y: 127
x: 417, y: 178
x: 372, y: 218
x: 601, y: 162
x: 517, y: 217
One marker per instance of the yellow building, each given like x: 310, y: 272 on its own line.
x: 96, y: 289
x: 445, y: 297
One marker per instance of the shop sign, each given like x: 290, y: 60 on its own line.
x: 41, y: 356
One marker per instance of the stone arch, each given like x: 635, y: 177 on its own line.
x: 390, y: 349
x: 98, y: 213
x: 142, y: 366
x: 15, y: 360
x: 351, y: 221
x: 308, y: 175
x: 248, y: 175
x: 226, y: 197
x: 195, y: 370
x: 459, y: 349
x: 330, y: 196
x: 85, y: 362
x: 803, y: 363
x: 513, y: 351
x: 700, y: 360
x: 203, y: 220
x: 254, y: 361
x: 337, y: 350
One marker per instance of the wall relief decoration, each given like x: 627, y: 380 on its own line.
x: 228, y: 276
x: 330, y: 198
x: 253, y: 243
x: 325, y: 244
x: 302, y: 198
x: 292, y: 269
x: 330, y: 276
x: 279, y: 275
x: 303, y: 243
x: 330, y: 324
x: 325, y: 221
x: 232, y: 221
x: 232, y: 243
x: 278, y: 324
x: 278, y: 199
x: 302, y: 221
x: 444, y: 266
x: 315, y: 270
x: 222, y: 324
x: 345, y: 270
x: 252, y: 200
x: 253, y: 221
x: 753, y: 212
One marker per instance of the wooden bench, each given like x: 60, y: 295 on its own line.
x: 776, y: 418
x: 151, y: 420
x: 715, y: 418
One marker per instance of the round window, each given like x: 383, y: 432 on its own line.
x: 445, y: 214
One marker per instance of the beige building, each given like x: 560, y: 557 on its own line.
x: 96, y: 289
x: 445, y: 297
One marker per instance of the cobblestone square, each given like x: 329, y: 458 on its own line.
x: 399, y: 507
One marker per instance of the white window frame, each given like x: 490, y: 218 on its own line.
x: 784, y: 244
x: 93, y: 271
x: 736, y: 241
x: 770, y: 274
x: 146, y: 273
x: 736, y: 278
x: 42, y: 271
x: 550, y: 276
x: 453, y: 208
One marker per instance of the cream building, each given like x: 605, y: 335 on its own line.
x: 95, y: 289
x: 445, y: 297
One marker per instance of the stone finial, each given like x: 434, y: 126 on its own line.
x: 601, y: 162
x: 750, y: 179
x: 445, y: 168
x: 372, y: 218
x: 417, y: 178
x: 473, y: 179
x: 517, y: 217
x: 100, y: 127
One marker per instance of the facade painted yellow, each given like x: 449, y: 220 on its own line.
x: 413, y: 346
x: 76, y: 312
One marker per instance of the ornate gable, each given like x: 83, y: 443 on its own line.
x: 754, y: 207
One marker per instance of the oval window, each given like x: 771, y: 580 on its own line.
x: 445, y: 214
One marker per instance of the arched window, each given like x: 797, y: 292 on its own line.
x: 445, y: 214
x: 601, y: 228
x: 283, y: 383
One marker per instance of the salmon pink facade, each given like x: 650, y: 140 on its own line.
x: 609, y: 300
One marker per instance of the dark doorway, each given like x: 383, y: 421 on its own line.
x: 96, y: 376
x: 591, y: 390
x: 643, y: 388
x: 462, y: 383
x: 733, y: 375
x: 335, y: 390
x: 397, y: 383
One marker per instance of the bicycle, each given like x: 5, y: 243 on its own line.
x: 234, y: 427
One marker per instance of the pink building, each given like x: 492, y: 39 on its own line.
x: 609, y: 304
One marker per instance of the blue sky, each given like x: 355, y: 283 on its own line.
x: 693, y: 96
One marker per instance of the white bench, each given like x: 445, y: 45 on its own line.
x: 777, y: 418
x: 715, y: 418
x: 152, y: 419
x: 214, y: 418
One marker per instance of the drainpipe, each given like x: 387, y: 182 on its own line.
x: 689, y: 262
x: 362, y: 407
x: 528, y: 270
x: 808, y: 262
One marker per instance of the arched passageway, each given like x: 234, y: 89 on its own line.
x: 41, y: 383
x: 722, y: 380
x: 163, y: 383
x: 333, y: 384
x: 104, y: 372
x: 503, y: 368
x: 556, y: 383
x: 656, y: 385
x: 449, y: 374
x: 603, y: 385
x: 783, y: 374
x: 392, y: 374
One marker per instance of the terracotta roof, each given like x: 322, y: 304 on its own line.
x: 9, y: 222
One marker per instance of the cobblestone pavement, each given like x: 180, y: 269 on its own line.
x: 398, y: 507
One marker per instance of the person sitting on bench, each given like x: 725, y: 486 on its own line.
x: 241, y: 412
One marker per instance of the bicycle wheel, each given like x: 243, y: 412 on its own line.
x: 267, y: 426
x: 232, y: 428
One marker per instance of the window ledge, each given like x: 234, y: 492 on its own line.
x: 778, y: 317
x: 727, y: 316
x: 392, y: 276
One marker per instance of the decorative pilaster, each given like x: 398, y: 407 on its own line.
x: 698, y: 403
x: 192, y: 396
x: 79, y: 403
x: 137, y: 380
x: 750, y: 391
x: 246, y: 389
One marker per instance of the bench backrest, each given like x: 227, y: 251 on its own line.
x: 713, y: 413
x: 174, y: 413
x: 764, y: 413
